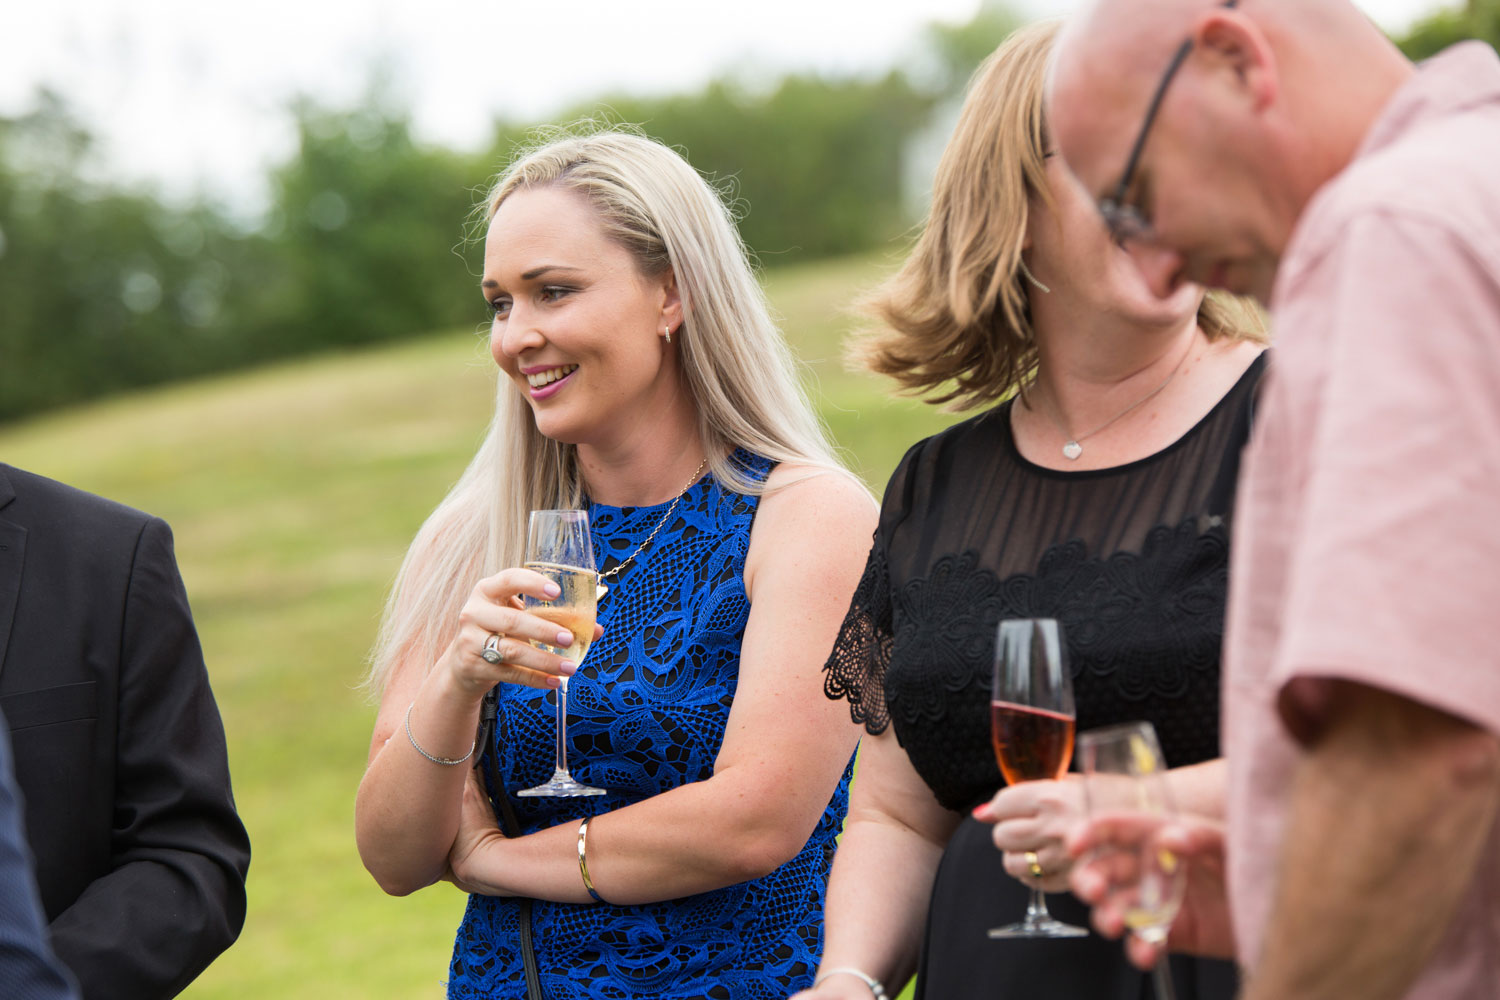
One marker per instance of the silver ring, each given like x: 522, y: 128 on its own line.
x: 491, y: 650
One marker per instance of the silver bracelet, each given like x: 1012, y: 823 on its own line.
x: 863, y: 977
x: 445, y: 761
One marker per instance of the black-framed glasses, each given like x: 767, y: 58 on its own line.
x: 1124, y: 220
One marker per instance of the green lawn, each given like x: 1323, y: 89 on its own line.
x: 293, y: 491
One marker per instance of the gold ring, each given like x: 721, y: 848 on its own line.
x: 1036, y: 867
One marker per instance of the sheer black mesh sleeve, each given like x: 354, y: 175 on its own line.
x: 856, y: 668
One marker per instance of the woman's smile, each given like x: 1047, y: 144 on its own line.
x: 537, y: 378
x: 545, y: 382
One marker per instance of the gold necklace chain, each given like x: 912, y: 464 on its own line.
x: 659, y: 525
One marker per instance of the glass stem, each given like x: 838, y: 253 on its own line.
x: 562, y: 726
x: 1161, y: 975
x: 1036, y: 909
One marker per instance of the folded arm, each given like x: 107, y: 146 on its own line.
x: 785, y: 744
x: 407, y: 809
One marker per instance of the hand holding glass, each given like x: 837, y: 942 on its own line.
x: 1124, y: 773
x: 1031, y: 716
x: 559, y: 547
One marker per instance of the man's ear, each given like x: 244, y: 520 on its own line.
x: 1236, y: 44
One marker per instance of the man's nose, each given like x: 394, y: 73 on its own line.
x: 1164, y: 269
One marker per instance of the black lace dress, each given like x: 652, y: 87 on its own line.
x: 1134, y: 562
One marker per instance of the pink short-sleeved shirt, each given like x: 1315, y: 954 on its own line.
x: 1367, y: 528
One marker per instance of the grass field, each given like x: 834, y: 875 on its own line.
x: 293, y: 492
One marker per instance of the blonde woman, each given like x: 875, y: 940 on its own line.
x: 642, y: 379
x: 1094, y: 488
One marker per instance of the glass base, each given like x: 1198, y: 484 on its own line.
x: 562, y: 785
x: 1038, y: 927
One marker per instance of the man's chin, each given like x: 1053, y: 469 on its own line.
x: 1236, y: 278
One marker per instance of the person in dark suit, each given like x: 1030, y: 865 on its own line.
x: 28, y: 969
x: 119, y: 748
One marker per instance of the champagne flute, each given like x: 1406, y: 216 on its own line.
x: 1124, y: 772
x: 559, y: 547
x: 1031, y: 717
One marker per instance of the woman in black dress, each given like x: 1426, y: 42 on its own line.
x: 1096, y: 492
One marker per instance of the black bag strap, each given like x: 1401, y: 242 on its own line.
x: 489, y: 712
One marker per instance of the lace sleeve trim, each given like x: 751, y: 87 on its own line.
x: 856, y: 668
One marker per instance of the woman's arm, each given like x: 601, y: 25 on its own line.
x: 882, y: 875
x: 1199, y: 789
x: 406, y: 813
x: 1038, y: 817
x: 785, y: 743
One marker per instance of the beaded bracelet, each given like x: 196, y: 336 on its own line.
x: 445, y: 761
x: 583, y: 859
x: 868, y: 980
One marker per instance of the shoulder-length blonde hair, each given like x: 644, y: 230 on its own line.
x: 735, y: 363
x: 954, y: 320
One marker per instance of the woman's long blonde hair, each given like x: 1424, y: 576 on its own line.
x: 735, y: 363
x: 954, y: 323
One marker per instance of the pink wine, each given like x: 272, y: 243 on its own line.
x: 1030, y: 743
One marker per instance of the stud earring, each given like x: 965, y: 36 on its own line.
x: 1026, y: 271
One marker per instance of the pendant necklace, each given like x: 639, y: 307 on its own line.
x: 1073, y: 447
x: 659, y: 525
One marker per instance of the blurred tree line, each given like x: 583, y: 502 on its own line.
x: 369, y: 234
x: 1472, y: 19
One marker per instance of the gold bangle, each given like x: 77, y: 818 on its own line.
x: 583, y: 859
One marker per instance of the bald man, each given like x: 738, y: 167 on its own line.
x: 1285, y: 148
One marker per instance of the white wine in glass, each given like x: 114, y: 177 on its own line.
x: 574, y: 609
x: 1125, y: 774
x: 1031, y: 725
x: 559, y: 547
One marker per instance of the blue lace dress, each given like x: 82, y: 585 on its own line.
x: 646, y: 713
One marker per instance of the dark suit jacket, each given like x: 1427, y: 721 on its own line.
x: 119, y: 749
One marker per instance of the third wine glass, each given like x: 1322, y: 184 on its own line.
x: 1125, y: 774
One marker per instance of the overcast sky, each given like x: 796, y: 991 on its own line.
x: 191, y: 94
